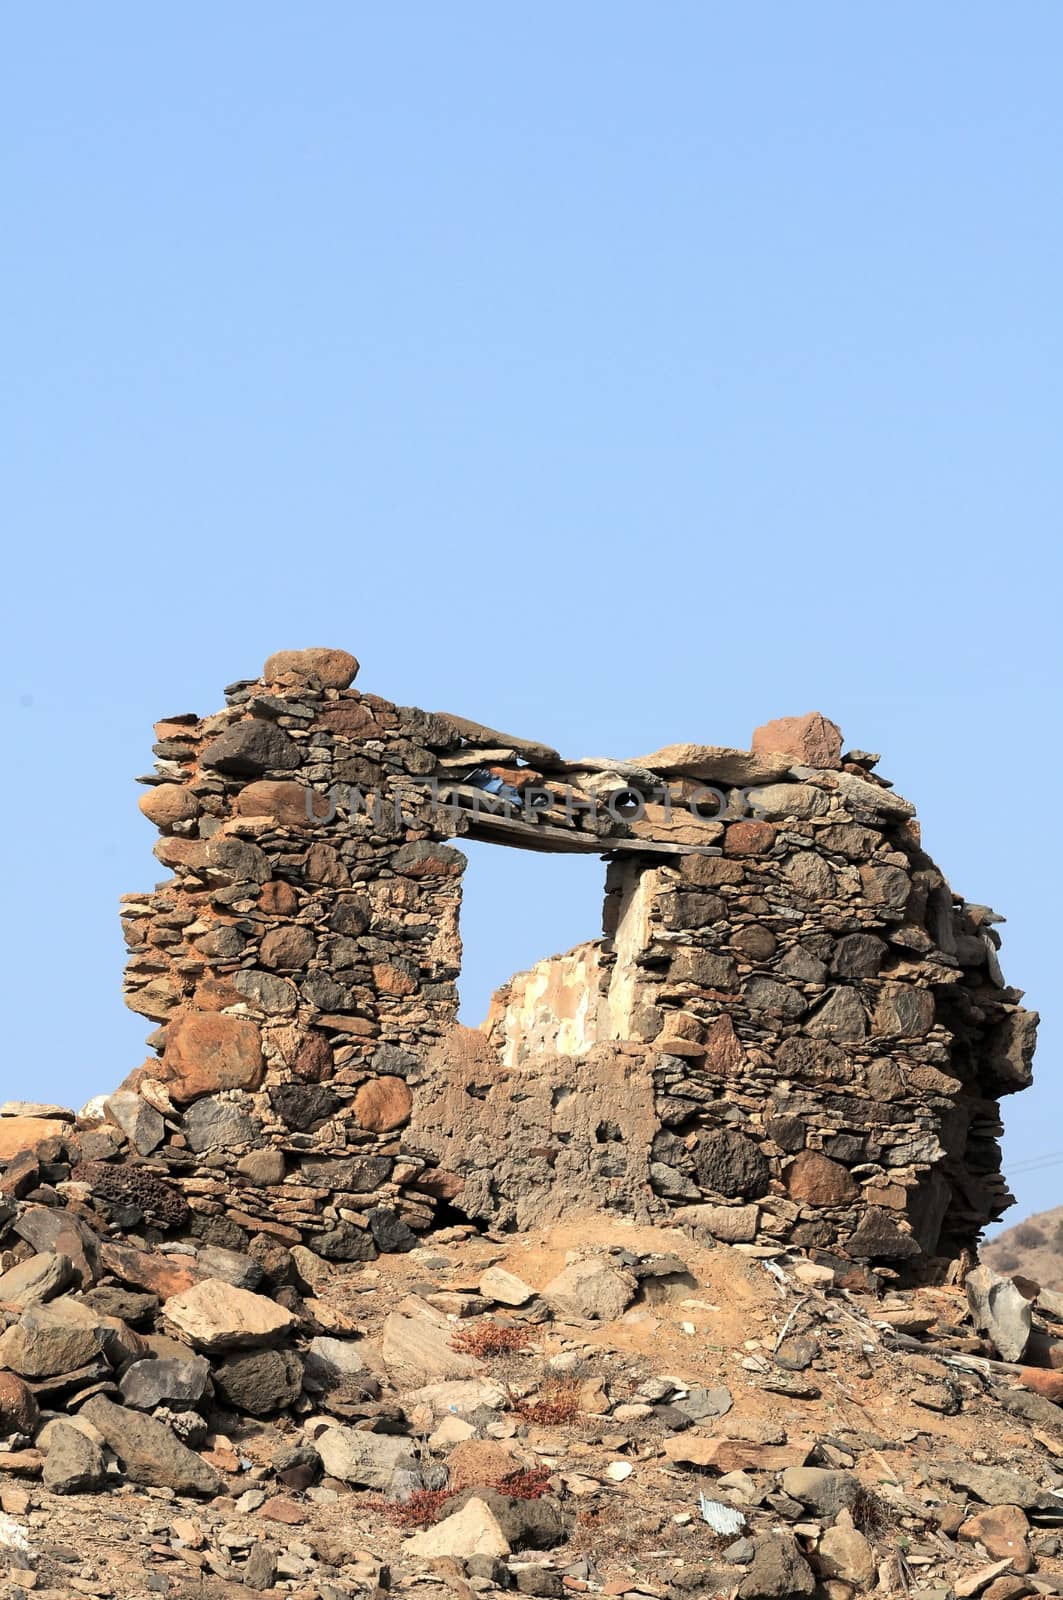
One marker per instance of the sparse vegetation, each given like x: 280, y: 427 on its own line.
x: 1028, y: 1236
x: 487, y: 1338
x: 424, y: 1508
x: 557, y: 1401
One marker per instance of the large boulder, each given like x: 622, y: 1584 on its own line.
x: 213, y: 1315
x: 250, y: 749
x: 149, y: 1452
x: 206, y: 1051
x: 23, y: 1133
x: 333, y: 669
x: 74, y: 1463
x: 592, y: 1289
x: 51, y: 1339
x: 32, y: 1282
x: 261, y: 1381
x: 368, y: 1460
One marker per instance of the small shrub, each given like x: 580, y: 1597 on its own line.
x: 421, y: 1510
x: 1028, y: 1236
x: 424, y: 1508
x: 531, y: 1484
x: 487, y: 1338
x: 1006, y: 1260
x: 557, y: 1401
x: 872, y: 1515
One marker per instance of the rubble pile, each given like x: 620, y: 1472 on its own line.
x: 604, y: 1410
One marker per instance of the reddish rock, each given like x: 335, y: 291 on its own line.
x: 140, y: 1269
x: 188, y: 853
x: 334, y: 669
x: 216, y: 994
x: 25, y: 1133
x: 1002, y: 1530
x: 206, y: 1052
x: 438, y: 1183
x: 280, y: 1509
x: 383, y: 1104
x: 282, y: 799
x: 18, y: 1408
x: 812, y: 740
x: 287, y: 947
x: 390, y: 979
x: 352, y: 719
x: 312, y: 1061
x: 748, y: 838
x: 723, y: 1050
x: 168, y: 803
x: 817, y: 1180
x: 278, y: 899
x: 325, y: 866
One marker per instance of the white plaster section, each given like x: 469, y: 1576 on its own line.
x: 559, y: 1006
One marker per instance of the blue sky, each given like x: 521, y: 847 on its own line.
x: 616, y: 374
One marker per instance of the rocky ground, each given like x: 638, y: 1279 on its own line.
x: 596, y: 1408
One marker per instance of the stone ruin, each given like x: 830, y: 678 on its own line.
x: 791, y: 1032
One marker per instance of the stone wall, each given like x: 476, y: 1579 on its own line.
x: 791, y: 1030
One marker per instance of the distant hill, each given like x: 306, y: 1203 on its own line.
x: 1033, y: 1248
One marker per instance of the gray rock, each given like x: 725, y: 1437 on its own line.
x: 216, y: 1124
x: 55, y: 1338
x: 74, y: 1463
x: 349, y: 1174
x: 796, y: 1353
x: 996, y: 1486
x: 233, y: 1266
x: 591, y: 1289
x: 274, y: 996
x: 824, y: 1490
x: 260, y: 1570
x: 236, y: 861
x: 1034, y: 1407
x: 261, y: 1382
x: 671, y: 1183
x: 778, y: 1571
x: 338, y: 1361
x: 390, y: 1233
x: 148, y: 1384
x: 142, y: 1125
x: 300, y: 1105
x: 367, y: 1460
x: 32, y: 1282
x: 878, y: 1235
x: 699, y: 1403
x: 149, y: 1452
x: 504, y: 1288
x: 126, y: 1304
x: 728, y: 1163
x: 345, y: 1242
x: 764, y: 994
x: 841, y: 1017
x: 858, y: 955
x: 250, y: 748
x: 999, y: 1310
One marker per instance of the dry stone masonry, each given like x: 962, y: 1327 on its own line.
x: 792, y: 1031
